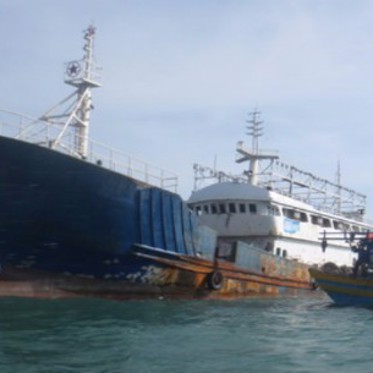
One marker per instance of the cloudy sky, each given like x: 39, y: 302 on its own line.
x: 179, y: 77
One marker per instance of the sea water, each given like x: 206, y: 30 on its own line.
x: 297, y: 334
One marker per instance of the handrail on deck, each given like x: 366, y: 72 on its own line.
x: 39, y: 132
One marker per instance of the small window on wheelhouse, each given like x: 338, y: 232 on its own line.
x: 316, y: 220
x: 206, y: 209
x: 326, y: 223
x: 214, y: 209
x: 337, y: 225
x: 288, y: 213
x: 303, y: 217
x: 252, y: 208
x: 242, y: 208
x: 222, y: 209
x: 275, y: 210
x: 232, y: 208
x: 341, y: 226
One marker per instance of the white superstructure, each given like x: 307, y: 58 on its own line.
x: 279, y: 208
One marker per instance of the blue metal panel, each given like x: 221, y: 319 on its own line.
x: 207, y: 242
x: 157, y: 219
x: 168, y: 223
x: 248, y: 257
x: 177, y: 207
x: 187, y: 231
x: 126, y: 203
x: 145, y: 218
x: 194, y: 231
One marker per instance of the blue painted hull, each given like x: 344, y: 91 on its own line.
x: 345, y: 290
x: 62, y: 214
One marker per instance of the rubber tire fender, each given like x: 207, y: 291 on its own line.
x: 214, y: 280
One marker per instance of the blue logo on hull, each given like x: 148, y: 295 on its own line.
x: 291, y: 226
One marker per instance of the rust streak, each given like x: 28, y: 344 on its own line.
x: 229, y: 271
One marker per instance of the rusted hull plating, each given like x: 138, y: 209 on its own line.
x: 195, y: 273
x: 160, y: 276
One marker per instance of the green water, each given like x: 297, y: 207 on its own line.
x: 304, y: 334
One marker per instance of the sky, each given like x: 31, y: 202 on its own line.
x: 180, y: 77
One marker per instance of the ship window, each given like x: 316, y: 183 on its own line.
x: 337, y: 225
x: 227, y: 251
x: 242, y: 208
x: 206, y: 209
x: 355, y: 228
x: 303, y: 217
x: 326, y: 223
x: 232, y: 208
x: 275, y: 211
x: 288, y: 213
x: 278, y: 251
x: 197, y: 209
x: 214, y: 209
x: 341, y: 226
x: 296, y: 215
x: 222, y: 209
x: 269, y: 247
x: 284, y: 253
x: 317, y: 220
x: 252, y: 208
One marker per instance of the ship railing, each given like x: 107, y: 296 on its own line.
x: 131, y: 166
x: 351, y: 209
x: 35, y: 131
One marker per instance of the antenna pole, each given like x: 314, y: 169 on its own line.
x: 339, y: 199
x: 255, y: 130
x: 80, y: 74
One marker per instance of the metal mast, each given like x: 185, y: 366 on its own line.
x: 338, y: 182
x: 82, y: 74
x: 254, y: 155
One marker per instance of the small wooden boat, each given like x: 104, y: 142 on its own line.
x: 345, y: 290
x: 353, y: 287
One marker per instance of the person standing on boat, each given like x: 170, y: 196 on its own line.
x: 364, y: 252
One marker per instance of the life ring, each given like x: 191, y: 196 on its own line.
x: 215, y: 280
